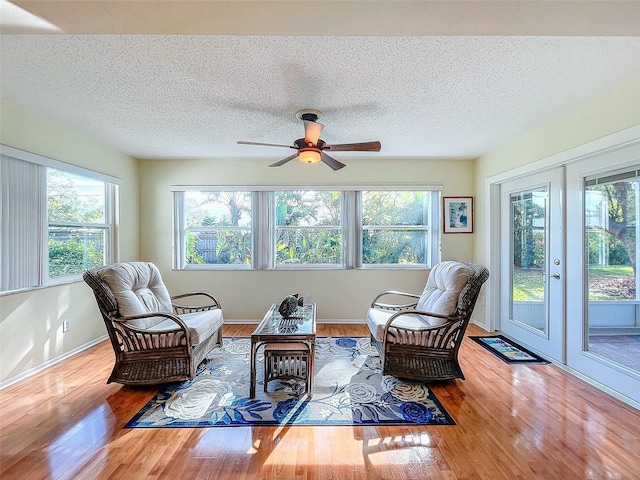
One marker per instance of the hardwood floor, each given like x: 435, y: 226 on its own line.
x: 513, y: 422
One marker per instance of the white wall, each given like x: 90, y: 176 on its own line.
x: 245, y: 295
x: 31, y: 322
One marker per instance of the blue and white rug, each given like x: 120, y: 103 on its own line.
x: 349, y: 389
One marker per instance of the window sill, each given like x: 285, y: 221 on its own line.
x: 66, y: 281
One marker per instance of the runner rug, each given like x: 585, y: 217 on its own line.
x: 349, y: 389
x: 507, y: 350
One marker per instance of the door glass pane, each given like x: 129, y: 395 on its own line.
x: 611, y: 230
x: 528, y: 240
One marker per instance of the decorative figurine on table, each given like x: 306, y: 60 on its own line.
x: 289, y: 305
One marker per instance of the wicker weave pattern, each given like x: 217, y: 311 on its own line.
x: 429, y: 353
x: 137, y: 372
x: 148, y: 358
x: 104, y: 296
x: 285, y: 364
x: 132, y: 339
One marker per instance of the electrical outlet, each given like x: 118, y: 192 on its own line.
x: 65, y: 326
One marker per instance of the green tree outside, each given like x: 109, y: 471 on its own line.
x: 398, y: 210
x: 73, y: 248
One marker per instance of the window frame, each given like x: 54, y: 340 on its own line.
x: 432, y: 230
x: 263, y: 221
x: 106, y: 227
x: 180, y: 230
x: 111, y: 192
x: 273, y: 233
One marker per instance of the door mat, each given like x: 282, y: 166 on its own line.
x: 507, y: 350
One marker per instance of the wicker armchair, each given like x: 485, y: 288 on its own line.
x: 154, y: 339
x: 419, y: 339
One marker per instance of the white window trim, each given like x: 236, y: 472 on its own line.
x: 432, y: 229
x: 310, y: 266
x: 57, y: 164
x: 180, y: 231
x: 263, y: 227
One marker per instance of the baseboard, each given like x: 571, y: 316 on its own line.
x: 343, y: 321
x: 50, y: 363
x: 482, y: 325
x: 236, y: 321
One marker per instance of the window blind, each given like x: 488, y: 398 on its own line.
x: 23, y: 211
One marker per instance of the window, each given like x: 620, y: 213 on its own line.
x: 312, y: 228
x: 308, y: 228
x: 57, y: 220
x: 218, y: 228
x: 396, y: 227
x: 78, y: 230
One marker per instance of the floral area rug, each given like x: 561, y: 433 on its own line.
x: 349, y: 389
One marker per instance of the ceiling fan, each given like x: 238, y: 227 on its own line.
x: 312, y: 148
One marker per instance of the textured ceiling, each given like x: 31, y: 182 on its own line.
x: 194, y: 96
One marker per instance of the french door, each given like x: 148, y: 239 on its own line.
x: 532, y: 309
x: 565, y: 251
x: 603, y: 320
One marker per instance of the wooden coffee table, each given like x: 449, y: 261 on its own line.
x: 275, y: 329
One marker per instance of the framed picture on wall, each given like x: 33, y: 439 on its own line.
x: 458, y: 214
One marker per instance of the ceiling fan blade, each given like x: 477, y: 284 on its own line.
x: 355, y: 147
x: 241, y: 142
x: 332, y: 162
x: 312, y: 131
x: 284, y: 160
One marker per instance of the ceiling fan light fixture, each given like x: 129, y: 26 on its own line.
x: 311, y: 148
x: 309, y: 155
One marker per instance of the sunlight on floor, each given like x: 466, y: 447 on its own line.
x: 228, y: 440
x: 87, y: 434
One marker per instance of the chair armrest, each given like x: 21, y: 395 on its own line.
x: 395, y: 306
x: 180, y: 325
x: 450, y: 319
x: 132, y: 338
x: 213, y: 302
x: 444, y: 336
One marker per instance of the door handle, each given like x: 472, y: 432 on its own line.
x: 553, y: 275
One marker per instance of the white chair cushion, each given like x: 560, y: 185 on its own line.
x: 138, y: 288
x: 377, y: 319
x: 201, y: 325
x: 442, y: 291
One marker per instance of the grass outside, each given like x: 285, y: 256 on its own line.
x: 605, y: 283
